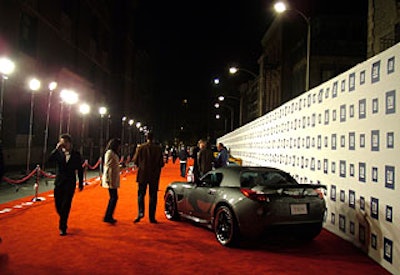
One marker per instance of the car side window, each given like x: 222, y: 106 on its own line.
x: 247, y: 179
x: 216, y: 180
x: 212, y: 180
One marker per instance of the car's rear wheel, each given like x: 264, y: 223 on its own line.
x: 225, y: 227
x: 170, y: 208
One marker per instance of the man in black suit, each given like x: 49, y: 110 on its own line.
x: 69, y: 163
x: 149, y: 160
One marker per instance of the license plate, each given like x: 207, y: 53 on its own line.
x: 298, y: 209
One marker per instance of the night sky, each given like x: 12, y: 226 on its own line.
x: 191, y: 42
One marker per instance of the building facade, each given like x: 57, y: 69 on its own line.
x: 337, y: 42
x: 383, y: 25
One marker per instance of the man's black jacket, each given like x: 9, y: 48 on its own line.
x: 65, y: 174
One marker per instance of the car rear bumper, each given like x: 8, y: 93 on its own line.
x: 256, y: 220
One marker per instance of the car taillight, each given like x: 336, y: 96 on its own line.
x: 320, y: 193
x: 254, y: 195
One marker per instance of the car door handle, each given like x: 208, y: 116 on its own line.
x: 211, y: 192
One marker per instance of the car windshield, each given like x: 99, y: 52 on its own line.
x: 251, y: 179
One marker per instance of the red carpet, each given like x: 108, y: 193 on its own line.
x: 31, y: 244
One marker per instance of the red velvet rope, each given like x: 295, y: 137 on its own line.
x: 48, y: 175
x: 86, y: 164
x: 19, y: 181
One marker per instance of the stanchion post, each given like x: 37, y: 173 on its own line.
x: 36, y: 198
x: 100, y: 167
x: 85, y: 173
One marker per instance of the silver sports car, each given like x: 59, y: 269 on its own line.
x: 248, y: 202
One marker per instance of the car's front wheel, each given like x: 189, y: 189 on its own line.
x: 225, y: 227
x: 170, y: 208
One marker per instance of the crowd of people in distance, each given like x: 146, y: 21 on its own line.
x: 204, y: 157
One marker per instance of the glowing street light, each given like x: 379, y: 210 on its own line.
x: 102, y: 111
x: 52, y: 87
x: 34, y: 86
x: 234, y: 70
x: 281, y: 7
x: 84, y: 109
x: 6, y: 68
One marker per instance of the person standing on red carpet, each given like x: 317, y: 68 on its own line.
x: 205, y: 158
x: 222, y: 157
x: 183, y: 156
x: 111, y: 177
x: 69, y: 163
x: 149, y: 160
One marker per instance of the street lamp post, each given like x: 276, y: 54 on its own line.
x: 138, y: 127
x: 222, y: 98
x: 281, y: 7
x: 217, y: 105
x: 52, y: 87
x: 234, y: 70
x: 70, y: 100
x: 108, y: 127
x: 122, y: 134
x: 6, y: 68
x: 70, y: 97
x: 61, y: 117
x: 34, y: 85
x: 218, y: 116
x: 102, y: 112
x: 130, y: 123
x: 84, y: 109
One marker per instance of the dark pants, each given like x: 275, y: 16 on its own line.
x: 112, y: 203
x: 153, y: 189
x: 63, y: 195
x: 183, y: 169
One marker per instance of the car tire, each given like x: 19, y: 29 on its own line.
x: 225, y: 227
x: 170, y: 208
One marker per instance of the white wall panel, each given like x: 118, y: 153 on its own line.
x: 345, y: 134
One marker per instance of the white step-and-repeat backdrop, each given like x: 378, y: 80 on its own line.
x: 344, y: 134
